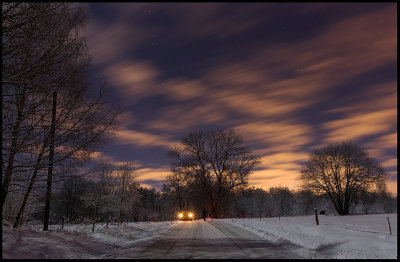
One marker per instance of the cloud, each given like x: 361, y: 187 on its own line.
x: 382, y: 148
x: 181, y: 118
x: 284, y: 160
x: 100, y: 156
x: 255, y: 86
x: 152, y: 173
x: 291, y: 76
x: 390, y: 163
x: 135, y: 80
x: 109, y: 41
x: 278, y: 136
x: 183, y: 89
x: 143, y: 139
x: 383, y: 143
x: 274, y: 177
x: 357, y: 126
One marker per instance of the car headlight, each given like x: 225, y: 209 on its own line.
x: 180, y: 215
x: 190, y: 215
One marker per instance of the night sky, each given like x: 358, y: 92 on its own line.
x: 288, y: 77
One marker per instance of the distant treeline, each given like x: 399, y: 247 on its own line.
x: 147, y: 204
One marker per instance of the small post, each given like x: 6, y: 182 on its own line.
x: 62, y: 223
x: 107, y: 224
x: 390, y: 229
x: 316, y: 216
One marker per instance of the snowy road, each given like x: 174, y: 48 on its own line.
x: 212, y: 239
x: 347, y: 237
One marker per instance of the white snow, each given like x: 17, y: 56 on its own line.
x: 359, y: 236
x: 77, y: 241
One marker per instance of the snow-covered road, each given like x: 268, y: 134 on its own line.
x: 213, y: 239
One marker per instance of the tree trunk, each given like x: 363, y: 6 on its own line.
x: 213, y: 210
x: 94, y: 217
x: 50, y: 170
x: 342, y: 211
x: 13, y: 149
x: 18, y: 221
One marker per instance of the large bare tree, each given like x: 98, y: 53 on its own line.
x: 218, y: 160
x: 51, y: 112
x: 39, y: 41
x: 341, y: 170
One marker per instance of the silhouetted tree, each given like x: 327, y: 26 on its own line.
x: 217, y: 160
x: 306, y: 199
x: 384, y: 197
x: 341, y: 170
x: 282, y: 199
x: 178, y: 182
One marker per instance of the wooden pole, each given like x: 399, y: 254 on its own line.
x: 390, y: 229
x: 50, y: 166
x: 62, y: 223
x: 316, y: 216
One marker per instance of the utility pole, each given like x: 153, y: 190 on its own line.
x: 51, y: 159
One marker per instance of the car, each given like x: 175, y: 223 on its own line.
x: 186, y: 215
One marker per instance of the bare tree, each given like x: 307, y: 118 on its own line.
x: 98, y: 196
x: 366, y: 199
x: 306, y: 198
x: 51, y: 112
x: 178, y: 182
x: 283, y: 200
x: 217, y: 160
x: 341, y: 170
x: 37, y: 40
x: 126, y: 190
x: 385, y: 197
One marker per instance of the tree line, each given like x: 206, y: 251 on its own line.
x: 212, y: 165
x: 112, y: 195
x: 51, y: 114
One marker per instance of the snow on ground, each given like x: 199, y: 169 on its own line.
x: 358, y: 236
x: 77, y: 241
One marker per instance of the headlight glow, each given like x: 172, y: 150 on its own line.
x: 180, y: 215
x: 190, y: 215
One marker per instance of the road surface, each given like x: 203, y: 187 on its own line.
x: 212, y: 239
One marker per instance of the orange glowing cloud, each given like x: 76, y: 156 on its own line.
x: 142, y: 139
x: 360, y: 125
x: 143, y: 174
x: 278, y: 136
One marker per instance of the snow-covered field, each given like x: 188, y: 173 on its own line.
x: 361, y: 236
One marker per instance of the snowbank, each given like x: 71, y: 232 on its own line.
x: 360, y: 236
x: 77, y: 241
